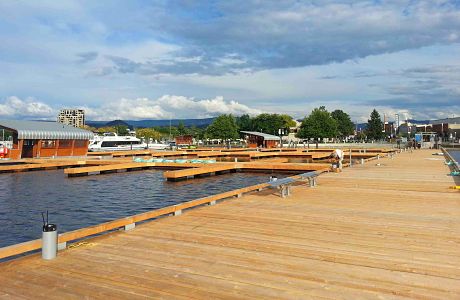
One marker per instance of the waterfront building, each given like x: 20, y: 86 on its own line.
x: 260, y: 139
x: 72, y: 117
x: 45, y: 139
x: 448, y: 128
x: 407, y: 129
x: 184, y: 140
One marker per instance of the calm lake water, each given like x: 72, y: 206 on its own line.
x: 455, y: 154
x: 83, y: 201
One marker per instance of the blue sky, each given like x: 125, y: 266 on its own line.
x: 193, y: 59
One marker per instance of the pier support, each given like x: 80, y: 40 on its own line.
x: 285, y: 191
x: 130, y: 226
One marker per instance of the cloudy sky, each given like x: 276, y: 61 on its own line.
x: 193, y: 59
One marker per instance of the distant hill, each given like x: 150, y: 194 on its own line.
x: 118, y: 123
x: 152, y: 123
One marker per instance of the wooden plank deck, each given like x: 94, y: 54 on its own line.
x: 193, y: 172
x: 40, y: 166
x: 371, y: 232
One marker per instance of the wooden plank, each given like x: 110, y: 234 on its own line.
x: 283, y: 167
x: 387, y: 231
x: 171, y: 175
x: 40, y: 166
x: 20, y: 248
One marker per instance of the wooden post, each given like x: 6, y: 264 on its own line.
x: 350, y: 158
x: 39, y: 147
x: 72, y: 147
x: 56, y: 146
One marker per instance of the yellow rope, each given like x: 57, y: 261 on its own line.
x: 80, y: 244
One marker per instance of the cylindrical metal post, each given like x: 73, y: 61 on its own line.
x: 49, y: 241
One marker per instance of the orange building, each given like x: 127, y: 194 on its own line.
x: 260, y: 139
x: 184, y: 140
x: 45, y: 139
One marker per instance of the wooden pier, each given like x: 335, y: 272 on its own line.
x: 386, y: 231
x: 256, y: 166
x: 116, y: 162
x: 40, y: 166
x: 195, y: 172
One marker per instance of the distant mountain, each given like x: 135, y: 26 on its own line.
x: 420, y: 122
x: 152, y: 123
x: 118, y: 123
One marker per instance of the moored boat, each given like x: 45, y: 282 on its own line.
x: 113, y: 142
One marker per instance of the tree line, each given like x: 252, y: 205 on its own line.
x: 318, y: 125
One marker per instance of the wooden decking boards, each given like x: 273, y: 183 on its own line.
x: 386, y: 231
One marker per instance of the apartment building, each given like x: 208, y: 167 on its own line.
x: 72, y: 117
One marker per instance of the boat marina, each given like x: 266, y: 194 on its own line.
x: 230, y: 150
x: 356, y: 223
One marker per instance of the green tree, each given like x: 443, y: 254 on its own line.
x: 121, y: 129
x: 165, y: 130
x: 106, y: 129
x: 374, y: 130
x: 223, y: 127
x: 182, y: 130
x: 244, y: 122
x: 288, y: 121
x: 271, y: 123
x: 318, y: 125
x: 147, y: 134
x: 345, y: 126
x: 197, y: 132
x: 89, y: 128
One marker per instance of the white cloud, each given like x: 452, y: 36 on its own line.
x: 165, y: 107
x: 14, y: 106
x: 204, y: 108
x: 74, y: 53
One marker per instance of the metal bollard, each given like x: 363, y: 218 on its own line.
x: 49, y: 241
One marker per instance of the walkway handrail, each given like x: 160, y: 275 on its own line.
x: 118, y: 223
x: 449, y: 158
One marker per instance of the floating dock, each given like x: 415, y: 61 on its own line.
x: 387, y: 231
x: 223, y: 167
x: 40, y: 166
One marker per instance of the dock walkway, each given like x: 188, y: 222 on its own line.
x: 389, y: 229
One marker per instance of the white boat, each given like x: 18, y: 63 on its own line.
x: 157, y: 146
x: 113, y: 142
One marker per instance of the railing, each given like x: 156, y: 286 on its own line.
x: 115, y: 224
x: 449, y: 158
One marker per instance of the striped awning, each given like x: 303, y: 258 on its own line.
x: 41, y: 130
